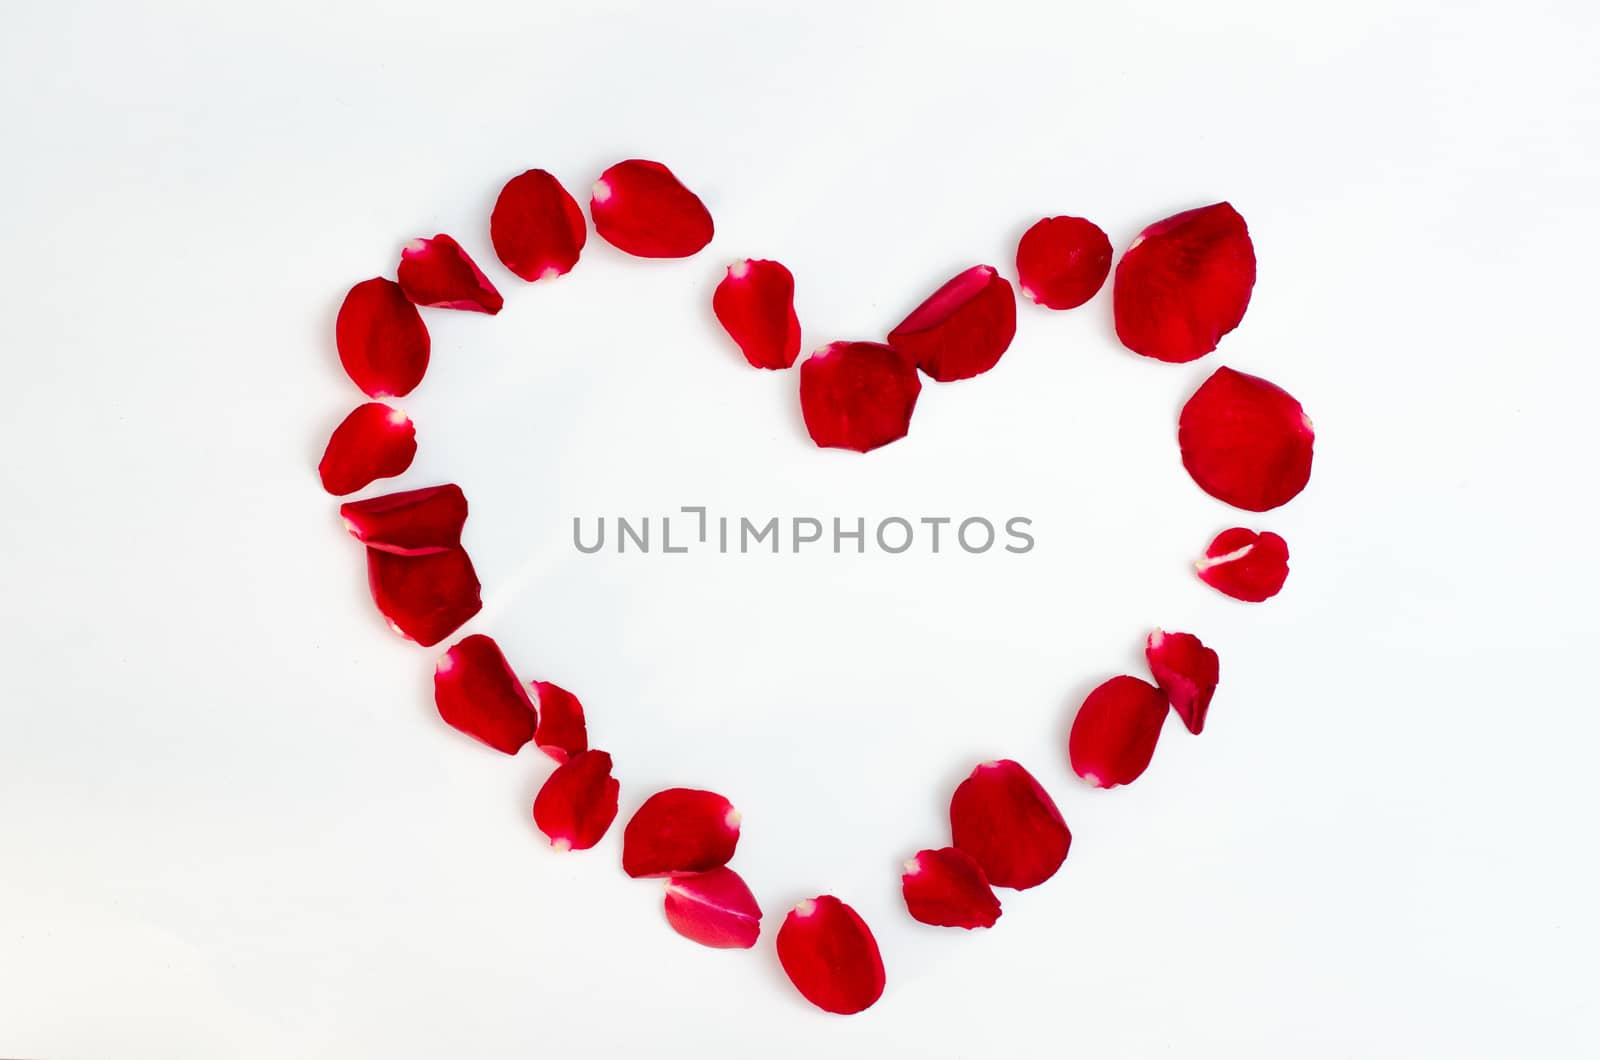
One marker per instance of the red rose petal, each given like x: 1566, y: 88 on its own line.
x: 830, y: 955
x: 962, y: 328
x: 755, y: 305
x: 640, y: 208
x: 412, y: 523
x: 375, y: 441
x: 562, y: 732
x: 578, y: 802
x: 1185, y: 283
x: 476, y: 692
x: 1245, y: 441
x: 437, y: 272
x: 383, y: 343
x: 1246, y: 565
x: 715, y: 909
x: 1062, y: 262
x: 1009, y: 825
x: 857, y: 395
x: 424, y: 598
x: 680, y: 830
x: 537, y: 229
x: 947, y: 888
x: 1116, y: 730
x: 1187, y: 672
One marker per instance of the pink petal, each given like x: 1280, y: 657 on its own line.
x: 830, y: 955
x: 1062, y: 262
x: 947, y: 888
x: 1246, y: 565
x: 562, y: 732
x: 373, y: 442
x: 680, y: 830
x: 857, y: 395
x: 1009, y: 825
x: 715, y: 909
x: 1187, y: 671
x: 962, y: 328
x: 1245, y: 441
x: 424, y: 598
x: 578, y: 802
x: 1185, y: 283
x: 537, y: 229
x: 755, y: 305
x: 437, y: 272
x: 640, y: 208
x: 1116, y: 730
x: 382, y: 341
x: 476, y: 692
x: 412, y: 523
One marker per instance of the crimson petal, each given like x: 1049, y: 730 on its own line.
x: 830, y: 956
x: 562, y: 732
x: 1062, y: 262
x: 438, y: 273
x: 375, y: 441
x: 680, y: 830
x: 383, y: 343
x: 578, y: 802
x: 715, y: 909
x: 640, y: 208
x: 947, y: 888
x: 476, y: 692
x: 755, y: 305
x: 1185, y: 283
x: 962, y: 328
x: 1246, y: 441
x: 537, y: 229
x: 857, y: 395
x: 411, y: 523
x: 424, y: 598
x: 1246, y: 565
x: 1116, y: 730
x: 1004, y: 819
x: 1187, y: 672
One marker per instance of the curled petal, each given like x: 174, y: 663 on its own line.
x: 1116, y: 730
x: 562, y: 732
x: 1246, y: 565
x: 857, y: 395
x: 1245, y: 441
x: 412, y: 523
x: 680, y: 830
x: 424, y: 598
x: 1185, y: 283
x: 1187, y: 672
x: 1003, y: 818
x: 640, y: 208
x: 382, y: 341
x: 830, y: 955
x: 715, y: 909
x: 962, y: 328
x: 947, y: 888
x: 537, y: 229
x: 578, y: 802
x: 755, y: 305
x: 437, y: 272
x: 375, y: 441
x: 476, y: 692
x: 1062, y: 262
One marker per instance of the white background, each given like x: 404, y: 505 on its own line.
x: 231, y: 823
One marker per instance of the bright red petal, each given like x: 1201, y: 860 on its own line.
x: 962, y: 328
x: 383, y: 343
x: 537, y: 229
x: 1186, y: 670
x: 1185, y: 283
x: 437, y: 272
x: 373, y: 442
x: 1116, y: 730
x: 1062, y: 262
x: 857, y: 395
x: 562, y: 732
x: 1008, y: 824
x: 578, y: 802
x: 1246, y: 565
x: 715, y: 909
x: 755, y: 305
x: 476, y: 692
x: 640, y: 208
x: 680, y: 830
x: 413, y: 523
x: 1245, y: 441
x: 424, y: 598
x: 947, y: 888
x: 830, y: 955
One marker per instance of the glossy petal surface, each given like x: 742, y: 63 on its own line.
x: 1003, y: 818
x: 857, y: 395
x: 1115, y: 731
x: 963, y: 328
x: 1184, y: 283
x: 830, y: 955
x: 382, y: 341
x: 537, y: 228
x: 477, y: 693
x: 373, y: 442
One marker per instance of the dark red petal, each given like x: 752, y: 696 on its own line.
x: 640, y: 208
x: 1246, y: 441
x: 383, y: 343
x: 578, y: 802
x: 857, y: 395
x: 830, y: 955
x: 562, y: 732
x: 1187, y: 671
x: 424, y: 598
x: 962, y: 328
x: 412, y: 523
x: 1185, y: 283
x: 1062, y: 262
x: 947, y: 888
x: 476, y: 692
x: 437, y: 272
x: 1246, y: 565
x: 537, y: 229
x: 373, y: 442
x: 1116, y: 730
x: 680, y: 830
x: 1009, y: 825
x: 715, y: 909
x: 755, y: 304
